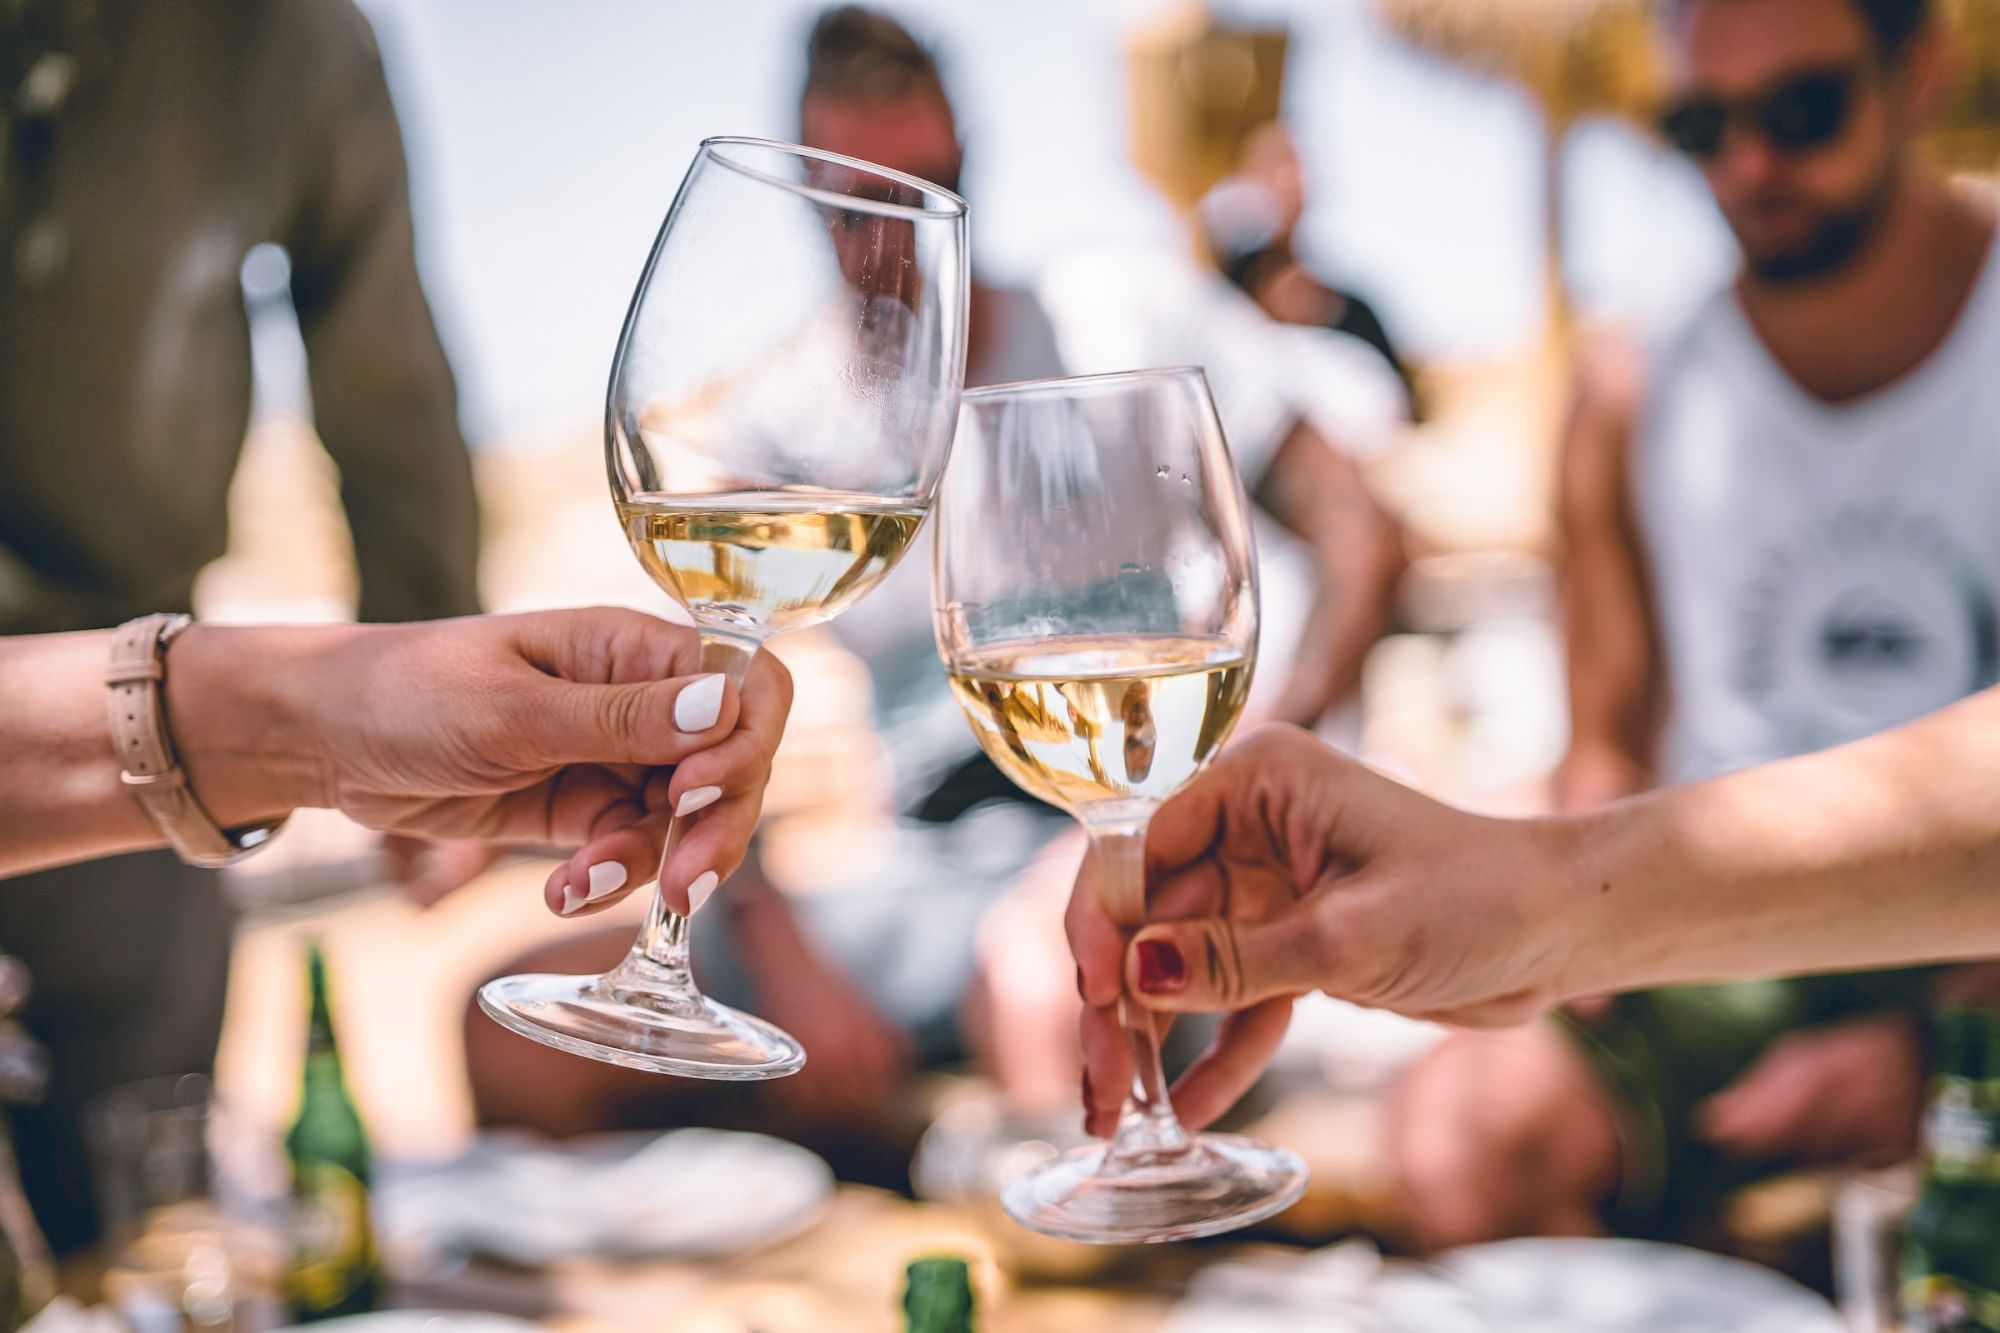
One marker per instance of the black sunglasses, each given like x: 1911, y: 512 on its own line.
x: 1804, y: 112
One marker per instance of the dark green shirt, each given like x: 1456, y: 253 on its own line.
x: 149, y: 147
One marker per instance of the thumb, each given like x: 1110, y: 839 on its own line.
x: 1214, y: 964
x: 641, y: 722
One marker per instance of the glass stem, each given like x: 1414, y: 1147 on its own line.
x: 1148, y: 1131
x: 658, y: 964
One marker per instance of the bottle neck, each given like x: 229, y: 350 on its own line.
x: 319, y: 1021
x: 323, y: 1066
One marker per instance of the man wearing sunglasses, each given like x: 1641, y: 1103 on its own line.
x: 1779, y: 516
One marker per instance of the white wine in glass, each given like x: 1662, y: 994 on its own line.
x: 1079, y: 721
x: 1095, y: 599
x: 767, y: 561
x: 781, y: 406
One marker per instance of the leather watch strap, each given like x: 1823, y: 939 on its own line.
x: 150, y: 767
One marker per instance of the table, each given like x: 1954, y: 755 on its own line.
x: 845, y: 1274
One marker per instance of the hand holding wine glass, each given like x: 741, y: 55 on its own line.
x: 1096, y: 608
x: 781, y: 406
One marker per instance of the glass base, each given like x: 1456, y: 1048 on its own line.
x: 691, y: 1036
x: 1221, y: 1182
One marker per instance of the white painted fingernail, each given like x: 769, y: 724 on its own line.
x: 700, y: 890
x: 697, y: 798
x: 606, y: 878
x: 699, y: 704
x: 572, y: 899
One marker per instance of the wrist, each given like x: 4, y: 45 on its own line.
x: 1611, y: 938
x: 241, y: 713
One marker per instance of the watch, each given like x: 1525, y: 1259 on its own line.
x: 146, y: 758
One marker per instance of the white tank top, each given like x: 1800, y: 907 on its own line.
x: 1819, y: 572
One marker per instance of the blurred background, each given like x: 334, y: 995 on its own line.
x: 1480, y: 176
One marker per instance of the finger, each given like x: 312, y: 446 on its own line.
x: 1199, y: 890
x: 623, y: 687
x: 738, y: 764
x: 1107, y: 1069
x: 1286, y: 789
x: 1213, y: 964
x: 1195, y: 820
x: 1232, y: 1064
x: 765, y: 702
x: 709, y: 849
x: 621, y: 853
x: 1190, y: 823
x: 605, y: 645
x: 642, y: 722
x: 1094, y: 941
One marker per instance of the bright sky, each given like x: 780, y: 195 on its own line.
x: 547, y: 139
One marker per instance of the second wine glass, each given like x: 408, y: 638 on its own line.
x: 781, y: 407
x: 1095, y: 600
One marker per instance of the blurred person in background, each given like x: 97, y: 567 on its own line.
x: 1779, y: 520
x: 947, y: 944
x: 146, y: 150
x: 1306, y: 408
x: 1248, y: 222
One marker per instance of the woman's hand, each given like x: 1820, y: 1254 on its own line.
x: 575, y: 728
x: 1287, y: 868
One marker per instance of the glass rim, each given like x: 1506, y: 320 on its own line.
x: 1058, y: 384
x: 714, y: 147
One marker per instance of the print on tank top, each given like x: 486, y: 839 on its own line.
x: 1862, y: 621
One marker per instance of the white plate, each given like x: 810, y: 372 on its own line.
x: 418, y: 1321
x: 1517, y: 1286
x: 1564, y: 1285
x: 687, y: 1193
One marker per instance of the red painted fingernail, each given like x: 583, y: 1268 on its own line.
x: 1162, y: 970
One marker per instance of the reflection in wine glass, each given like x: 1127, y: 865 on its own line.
x: 781, y: 406
x: 1095, y: 600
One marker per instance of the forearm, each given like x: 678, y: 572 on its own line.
x: 1358, y: 573
x: 1358, y: 556
x: 241, y: 732
x: 1880, y: 853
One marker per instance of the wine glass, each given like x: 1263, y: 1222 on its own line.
x: 781, y: 406
x: 1095, y: 600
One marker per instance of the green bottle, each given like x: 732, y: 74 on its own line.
x: 938, y: 1298
x: 1951, y: 1250
x: 334, y: 1270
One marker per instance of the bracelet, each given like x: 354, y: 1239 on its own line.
x: 146, y: 759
